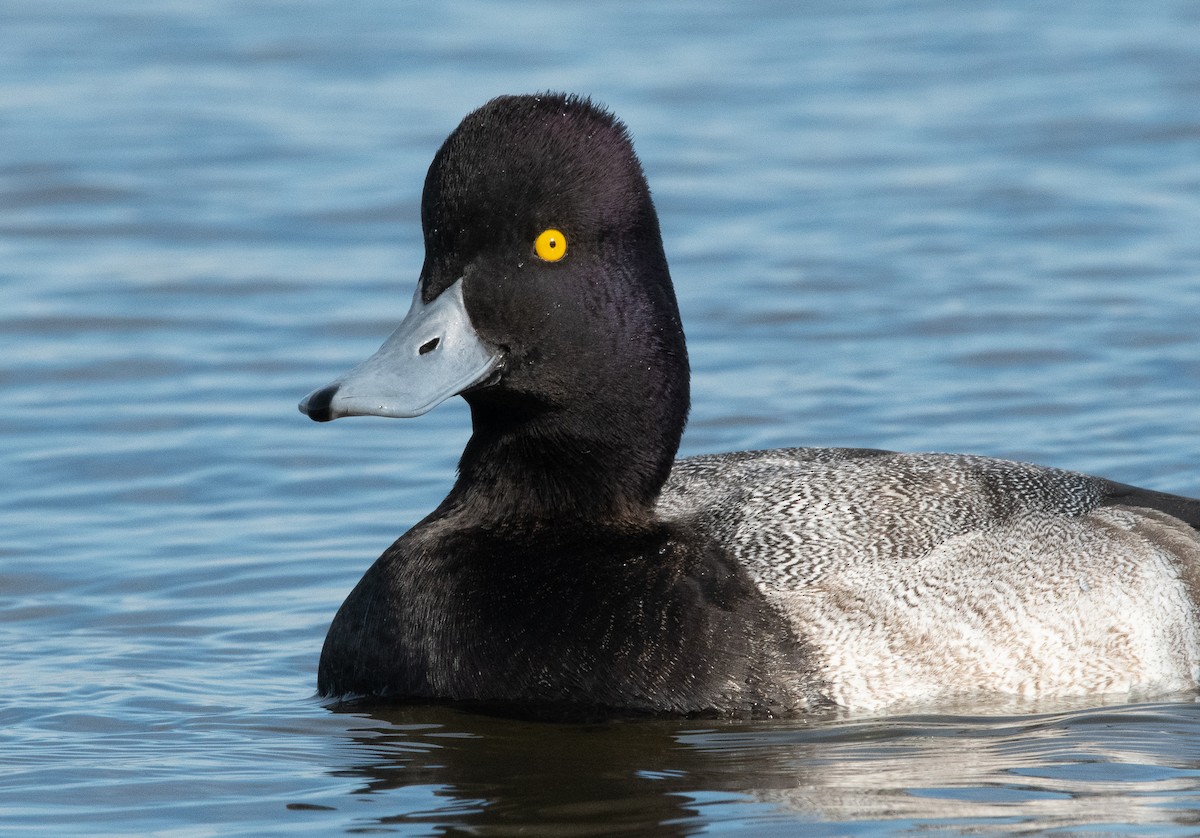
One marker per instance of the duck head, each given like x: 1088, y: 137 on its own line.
x: 544, y: 300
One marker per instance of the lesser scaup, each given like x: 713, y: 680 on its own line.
x: 575, y: 563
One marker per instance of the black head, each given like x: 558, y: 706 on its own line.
x: 591, y: 397
x: 546, y: 302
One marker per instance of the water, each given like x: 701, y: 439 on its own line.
x: 920, y: 225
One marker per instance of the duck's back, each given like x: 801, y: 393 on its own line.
x: 925, y: 576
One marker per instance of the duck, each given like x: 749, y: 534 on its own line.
x: 575, y: 563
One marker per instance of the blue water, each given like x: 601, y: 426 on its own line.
x: 916, y: 225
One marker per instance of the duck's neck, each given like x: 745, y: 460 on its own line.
x: 525, y: 466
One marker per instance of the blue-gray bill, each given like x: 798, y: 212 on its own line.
x: 434, y: 354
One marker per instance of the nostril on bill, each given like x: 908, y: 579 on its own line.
x: 428, y: 346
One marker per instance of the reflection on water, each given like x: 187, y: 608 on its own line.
x: 1033, y: 771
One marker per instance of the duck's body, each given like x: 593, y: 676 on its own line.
x: 918, y: 577
x: 574, y: 563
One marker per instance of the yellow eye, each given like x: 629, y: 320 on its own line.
x: 551, y: 245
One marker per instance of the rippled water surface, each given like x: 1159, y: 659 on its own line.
x: 916, y: 225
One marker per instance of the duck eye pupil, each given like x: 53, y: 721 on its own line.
x: 550, y: 245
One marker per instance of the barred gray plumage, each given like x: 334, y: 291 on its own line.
x: 981, y: 575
